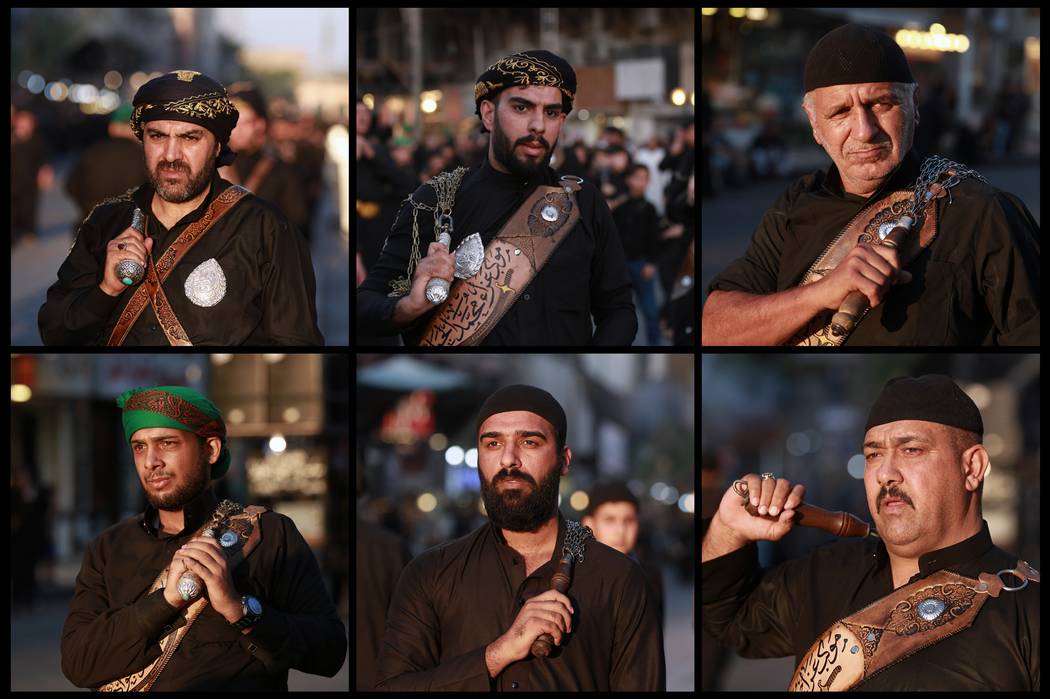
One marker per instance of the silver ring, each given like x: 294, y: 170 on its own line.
x: 1016, y: 574
x: 768, y: 476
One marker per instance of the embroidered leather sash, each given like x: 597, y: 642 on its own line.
x: 512, y: 260
x: 865, y: 229
x: 151, y: 290
x: 897, y: 626
x: 245, y: 525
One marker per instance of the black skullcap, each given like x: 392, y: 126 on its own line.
x: 614, y: 491
x: 854, y: 54
x: 530, y: 398
x: 933, y: 398
x: 535, y: 67
x: 186, y: 95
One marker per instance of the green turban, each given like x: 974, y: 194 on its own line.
x: 179, y: 408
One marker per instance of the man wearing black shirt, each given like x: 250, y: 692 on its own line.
x: 264, y: 616
x: 924, y: 473
x: 581, y: 296
x: 466, y: 613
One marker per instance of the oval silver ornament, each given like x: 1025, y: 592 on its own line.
x: 931, y: 609
x: 228, y: 538
x: 549, y: 213
x: 206, y: 285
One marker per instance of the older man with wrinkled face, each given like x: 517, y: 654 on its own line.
x: 962, y: 266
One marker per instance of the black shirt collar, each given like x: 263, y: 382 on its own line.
x: 195, y: 513
x: 505, y: 180
x: 950, y: 557
x: 557, y: 544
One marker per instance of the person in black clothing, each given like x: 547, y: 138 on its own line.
x: 267, y: 615
x: 581, y: 296
x: 465, y: 614
x: 924, y: 475
x: 976, y: 283
x: 637, y: 218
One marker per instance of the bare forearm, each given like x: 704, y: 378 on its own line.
x: 494, y: 659
x: 719, y: 540
x: 739, y: 318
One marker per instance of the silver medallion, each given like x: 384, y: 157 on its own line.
x: 931, y: 609
x: 549, y: 213
x: 206, y: 285
x: 228, y: 538
x: 884, y: 229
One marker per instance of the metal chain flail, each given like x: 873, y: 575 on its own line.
x: 445, y: 185
x: 932, y: 169
x: 576, y: 536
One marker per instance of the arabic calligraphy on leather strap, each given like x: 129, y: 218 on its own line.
x: 865, y: 229
x: 228, y: 517
x: 151, y: 291
x: 909, y: 619
x: 512, y: 260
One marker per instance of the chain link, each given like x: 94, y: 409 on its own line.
x: 576, y: 536
x: 445, y: 185
x: 933, y: 168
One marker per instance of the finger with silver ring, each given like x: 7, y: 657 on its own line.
x: 768, y: 486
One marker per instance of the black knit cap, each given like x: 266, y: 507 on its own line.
x: 932, y: 397
x: 529, y: 398
x: 854, y: 54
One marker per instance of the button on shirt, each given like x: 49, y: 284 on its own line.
x: 455, y: 599
x: 782, y: 611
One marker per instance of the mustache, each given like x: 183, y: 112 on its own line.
x: 896, y: 494
x: 518, y: 475
x: 879, y: 146
x: 532, y: 142
x: 173, y: 166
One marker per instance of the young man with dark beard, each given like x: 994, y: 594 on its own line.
x: 553, y: 236
x: 465, y: 614
x: 262, y: 606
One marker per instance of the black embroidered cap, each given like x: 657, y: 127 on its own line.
x: 186, y: 95
x: 854, y: 54
x: 932, y: 397
x: 534, y: 67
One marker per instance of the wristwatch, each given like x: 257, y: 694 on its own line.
x: 252, y: 608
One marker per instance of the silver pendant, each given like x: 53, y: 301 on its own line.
x: 931, y: 609
x: 228, y: 538
x: 206, y: 285
x: 549, y: 213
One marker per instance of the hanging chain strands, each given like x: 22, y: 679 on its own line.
x: 445, y: 185
x: 933, y: 168
x: 576, y: 536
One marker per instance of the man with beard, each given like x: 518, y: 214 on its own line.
x: 916, y: 605
x: 216, y: 264
x: 465, y: 614
x: 554, y: 270
x: 267, y: 611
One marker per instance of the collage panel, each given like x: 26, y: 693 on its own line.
x: 531, y: 515
x: 180, y: 522
x: 870, y: 521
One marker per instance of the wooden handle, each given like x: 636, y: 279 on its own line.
x: 855, y: 303
x: 837, y: 523
x: 560, y: 581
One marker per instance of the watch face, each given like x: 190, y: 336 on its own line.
x: 254, y: 606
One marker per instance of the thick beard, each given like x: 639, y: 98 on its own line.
x: 180, y: 193
x: 518, y: 511
x: 179, y: 496
x: 504, y: 153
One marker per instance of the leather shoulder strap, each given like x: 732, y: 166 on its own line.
x: 897, y: 626
x: 152, y: 293
x: 512, y: 260
x: 866, y: 228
